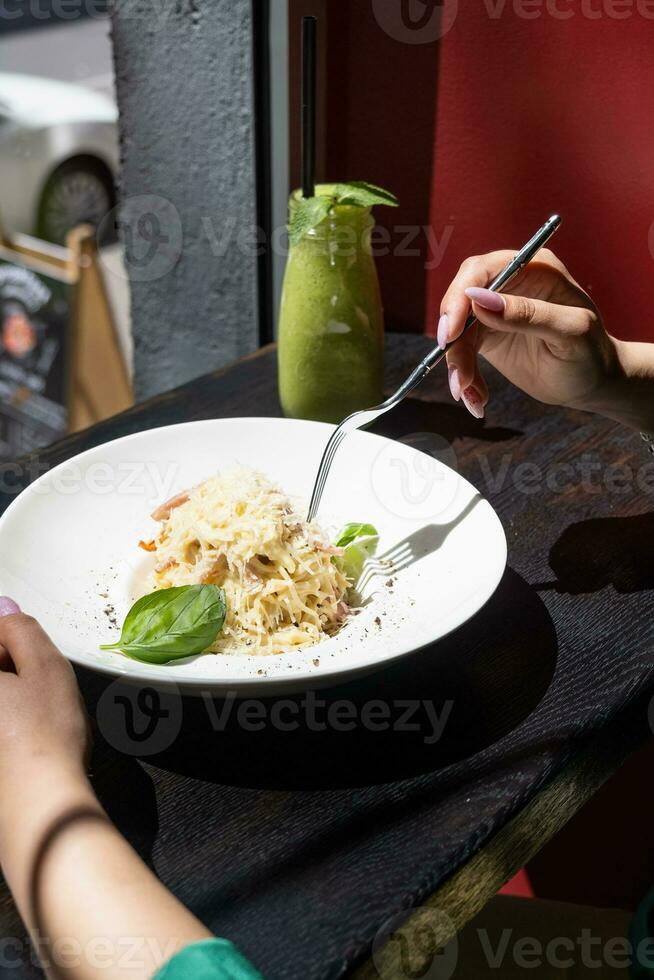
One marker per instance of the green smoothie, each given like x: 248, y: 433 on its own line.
x: 331, y: 330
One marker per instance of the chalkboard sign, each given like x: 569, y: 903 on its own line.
x: 34, y: 332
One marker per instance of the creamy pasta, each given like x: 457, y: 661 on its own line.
x: 240, y: 532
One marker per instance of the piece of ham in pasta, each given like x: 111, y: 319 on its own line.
x: 242, y: 533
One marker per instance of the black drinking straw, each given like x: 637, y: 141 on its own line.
x: 308, y: 106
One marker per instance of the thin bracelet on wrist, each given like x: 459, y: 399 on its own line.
x: 648, y: 439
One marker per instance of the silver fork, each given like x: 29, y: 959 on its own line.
x: 368, y: 415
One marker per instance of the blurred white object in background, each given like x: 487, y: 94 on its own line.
x: 58, y: 155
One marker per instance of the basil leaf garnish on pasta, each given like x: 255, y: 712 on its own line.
x: 351, y: 531
x: 360, y: 543
x: 172, y: 623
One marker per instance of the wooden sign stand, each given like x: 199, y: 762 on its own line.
x: 99, y: 382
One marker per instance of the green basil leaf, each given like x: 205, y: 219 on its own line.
x: 352, y: 531
x: 360, y: 543
x: 364, y: 195
x: 172, y: 623
x: 308, y: 214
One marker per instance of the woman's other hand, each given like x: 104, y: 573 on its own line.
x: 42, y: 718
x: 75, y: 880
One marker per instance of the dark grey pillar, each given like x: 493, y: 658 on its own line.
x: 188, y: 214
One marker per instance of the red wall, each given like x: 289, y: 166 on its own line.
x: 549, y: 115
x: 487, y: 130
x: 381, y: 114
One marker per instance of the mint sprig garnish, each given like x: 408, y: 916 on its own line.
x: 364, y: 195
x: 308, y: 214
x: 310, y: 211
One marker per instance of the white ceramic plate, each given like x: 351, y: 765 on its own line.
x: 69, y: 554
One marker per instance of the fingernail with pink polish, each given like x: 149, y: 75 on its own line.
x: 473, y: 402
x: 486, y: 298
x: 455, y: 384
x: 8, y: 607
x: 443, y: 331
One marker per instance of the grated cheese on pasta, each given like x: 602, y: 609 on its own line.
x: 240, y: 532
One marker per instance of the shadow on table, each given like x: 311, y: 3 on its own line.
x: 593, y: 554
x: 124, y: 788
x: 118, y: 786
x: 426, y: 712
x: 449, y: 421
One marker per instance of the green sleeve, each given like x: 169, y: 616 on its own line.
x: 210, y: 959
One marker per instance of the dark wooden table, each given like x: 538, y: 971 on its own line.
x: 302, y: 847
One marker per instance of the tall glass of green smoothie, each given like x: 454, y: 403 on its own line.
x: 331, y: 329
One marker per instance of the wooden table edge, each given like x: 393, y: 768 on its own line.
x: 465, y: 893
